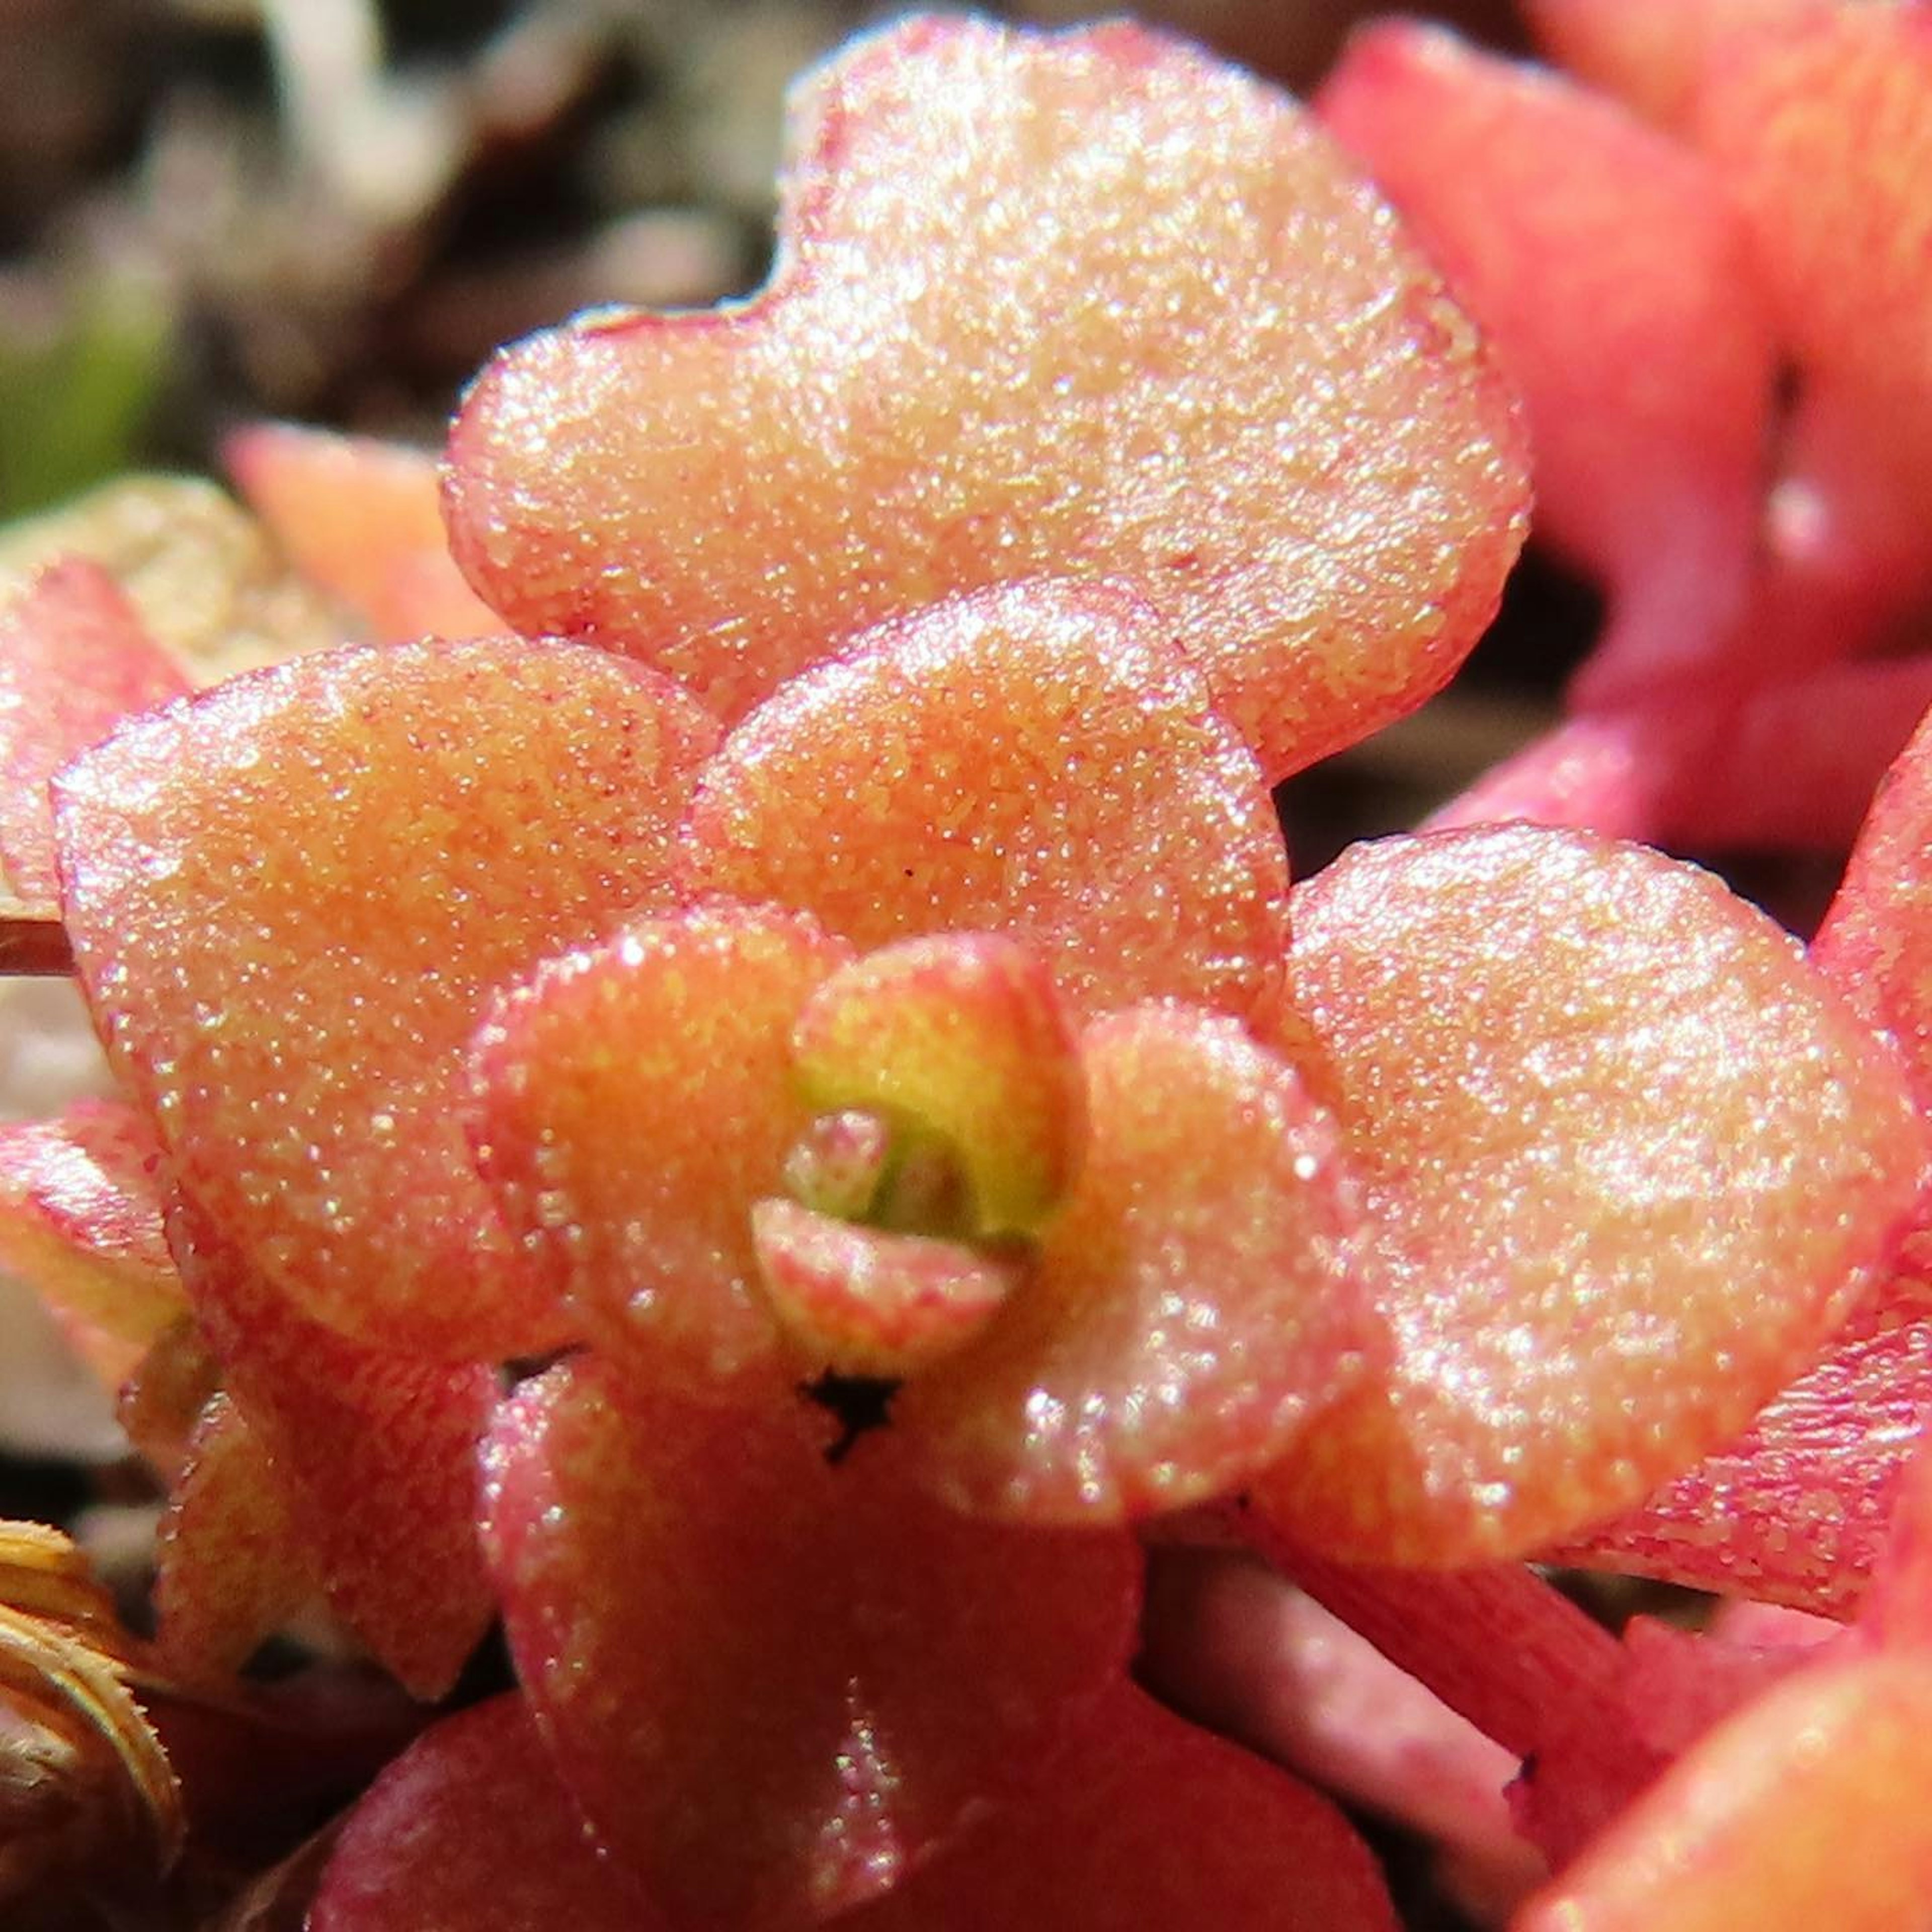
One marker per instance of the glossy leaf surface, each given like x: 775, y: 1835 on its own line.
x: 289, y: 901
x: 799, y: 1678
x: 1191, y: 1306
x: 1595, y: 1101
x: 1038, y: 762
x: 636, y: 1101
x: 1090, y: 305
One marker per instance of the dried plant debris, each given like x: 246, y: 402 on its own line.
x: 84, y: 1783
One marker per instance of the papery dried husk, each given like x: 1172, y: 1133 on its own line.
x: 84, y: 1783
x: 206, y: 580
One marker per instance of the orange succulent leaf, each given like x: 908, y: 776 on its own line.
x: 1091, y: 304
x: 75, y: 660
x: 1190, y: 1307
x: 289, y: 900
x: 1896, y: 1612
x: 1615, y: 283
x: 362, y: 519
x: 1146, y: 1820
x: 1875, y: 941
x: 80, y: 1222
x: 1803, y: 1810
x: 1594, y: 1101
x: 1653, y: 53
x: 1797, y: 1508
x: 160, y: 1404
x: 1037, y: 761
x: 808, y: 1676
x: 470, y: 1828
x: 377, y: 1450
x: 864, y: 1301
x: 964, y: 1039
x: 232, y: 1566
x: 1616, y: 773
x: 634, y: 1100
x: 1822, y: 132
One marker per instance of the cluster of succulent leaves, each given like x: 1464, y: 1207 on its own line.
x: 743, y: 1087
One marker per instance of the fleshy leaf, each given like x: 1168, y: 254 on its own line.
x: 1804, y: 1495
x: 1615, y: 282
x: 867, y: 1302
x: 1802, y: 1810
x: 1875, y: 942
x: 1791, y: 764
x: 1036, y: 761
x: 806, y: 1676
x: 74, y: 660
x: 470, y: 1829
x: 1190, y: 1307
x: 377, y: 1450
x: 233, y: 1568
x: 363, y: 519
x: 161, y: 1403
x: 963, y: 1039
x: 1147, y: 1821
x: 1091, y: 304
x: 80, y: 1221
x: 1595, y: 1101
x: 289, y: 900
x: 636, y: 1100
x: 1822, y: 129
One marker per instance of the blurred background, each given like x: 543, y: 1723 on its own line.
x: 333, y: 209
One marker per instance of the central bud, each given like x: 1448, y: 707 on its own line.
x: 853, y: 1166
x: 949, y: 1111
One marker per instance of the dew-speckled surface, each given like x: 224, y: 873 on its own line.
x: 1797, y: 1509
x: 771, y: 1683
x: 964, y: 1038
x: 637, y: 1098
x: 1191, y: 1306
x: 864, y: 1301
x: 1036, y: 761
x: 289, y: 900
x: 1092, y: 305
x: 1632, y: 1159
